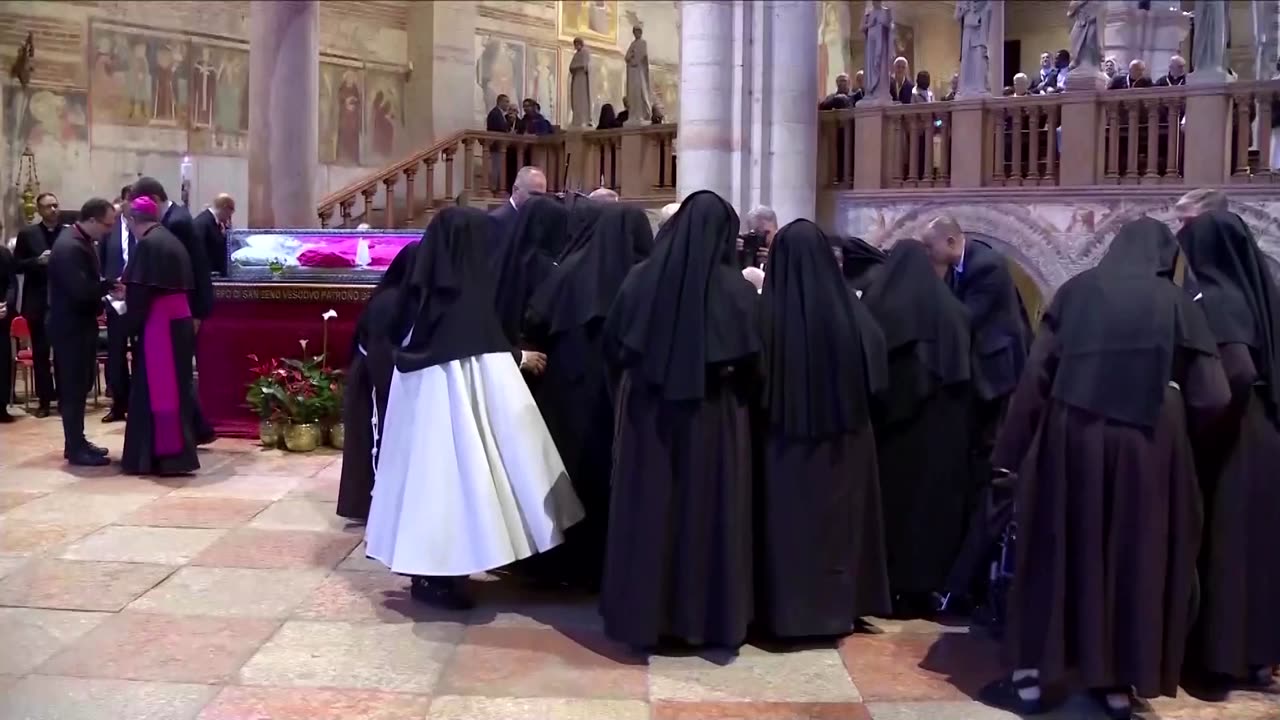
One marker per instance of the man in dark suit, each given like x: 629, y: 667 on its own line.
x: 1135, y: 78
x: 32, y: 252
x: 980, y: 277
x: 501, y: 119
x: 211, y: 226
x: 1042, y: 76
x: 529, y: 181
x: 76, y: 291
x: 8, y: 308
x: 1056, y: 82
x: 178, y: 221
x: 900, y: 84
x: 113, y: 254
x: 1177, y: 74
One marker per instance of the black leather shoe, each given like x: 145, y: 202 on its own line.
x: 42, y: 411
x: 95, y: 449
x: 87, y: 458
x: 113, y: 416
x: 6, y: 418
x: 444, y: 593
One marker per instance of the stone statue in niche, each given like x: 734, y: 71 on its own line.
x: 638, y: 89
x: 1209, y: 44
x: 975, y: 62
x: 877, y: 27
x: 580, y: 85
x: 1088, y: 17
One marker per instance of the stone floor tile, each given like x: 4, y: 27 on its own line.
x: 902, y: 667
x: 296, y: 549
x: 668, y: 710
x: 166, y: 648
x: 32, y: 636
x: 256, y: 487
x: 536, y: 662
x: 161, y: 546
x: 36, y: 537
x: 196, y: 512
x: 891, y: 625
x: 127, y: 484
x: 73, y: 508
x: 371, y: 596
x: 392, y: 658
x: 75, y: 585
x: 1078, y: 708
x: 1240, y: 706
x: 9, y: 563
x: 506, y: 601
x: 359, y: 562
x: 63, y: 698
x: 453, y: 707
x: 35, y: 480
x: 230, y: 592
x: 245, y: 703
x: 291, y: 465
x: 301, y: 514
x: 322, y: 487
x: 10, y: 499
x: 812, y: 675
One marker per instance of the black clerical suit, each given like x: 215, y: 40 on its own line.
x: 213, y: 238
x: 9, y: 296
x: 502, y: 220
x: 33, y: 240
x: 178, y: 221
x: 982, y: 281
x: 902, y: 93
x: 76, y: 289
x: 113, y: 253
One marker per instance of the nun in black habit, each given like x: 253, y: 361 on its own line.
x: 682, y: 344
x: 821, y: 539
x: 924, y: 424
x: 159, y: 436
x: 1108, y: 506
x: 859, y: 259
x: 526, y: 258
x: 468, y: 477
x: 566, y: 321
x: 1237, y: 634
x: 364, y: 400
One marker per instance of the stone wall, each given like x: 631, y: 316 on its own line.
x: 1051, y: 235
x: 123, y: 89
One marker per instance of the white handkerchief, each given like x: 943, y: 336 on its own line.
x: 119, y: 307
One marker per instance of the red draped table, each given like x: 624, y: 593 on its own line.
x: 269, y: 320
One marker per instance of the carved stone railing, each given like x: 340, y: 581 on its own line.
x: 639, y: 163
x: 1183, y: 136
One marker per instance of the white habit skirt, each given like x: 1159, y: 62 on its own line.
x: 468, y: 477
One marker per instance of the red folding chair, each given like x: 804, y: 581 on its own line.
x: 19, y: 333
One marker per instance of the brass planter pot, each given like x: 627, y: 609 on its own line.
x: 302, y: 437
x: 270, y: 433
x: 337, y: 435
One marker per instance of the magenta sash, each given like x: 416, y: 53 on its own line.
x: 162, y: 371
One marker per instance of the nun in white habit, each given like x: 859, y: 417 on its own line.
x: 468, y: 477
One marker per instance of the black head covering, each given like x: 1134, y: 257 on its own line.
x: 608, y: 119
x: 815, y: 366
x: 913, y: 305
x: 1117, y: 326
x: 1240, y: 299
x: 160, y: 261
x: 584, y: 215
x: 686, y: 307
x: 385, y: 297
x: 527, y: 258
x: 585, y: 284
x: 446, y: 300
x: 858, y: 259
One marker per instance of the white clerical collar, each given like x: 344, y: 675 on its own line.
x: 959, y: 266
x: 513, y: 203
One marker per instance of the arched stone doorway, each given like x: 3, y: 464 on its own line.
x: 1031, y: 288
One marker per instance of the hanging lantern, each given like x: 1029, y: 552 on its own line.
x: 27, y: 181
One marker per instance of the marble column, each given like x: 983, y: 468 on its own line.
x: 284, y: 93
x: 1152, y: 36
x: 706, y: 142
x: 788, y: 168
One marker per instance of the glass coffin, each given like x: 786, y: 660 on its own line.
x: 327, y: 256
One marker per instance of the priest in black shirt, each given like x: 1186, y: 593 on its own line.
x: 114, y: 252
x: 76, y: 290
x: 32, y: 252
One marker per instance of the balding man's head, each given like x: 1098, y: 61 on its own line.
x: 604, y: 195
x: 1198, y: 202
x: 529, y: 181
x: 944, y: 240
x: 224, y: 206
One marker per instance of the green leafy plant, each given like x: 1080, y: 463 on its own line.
x: 312, y: 393
x: 266, y: 396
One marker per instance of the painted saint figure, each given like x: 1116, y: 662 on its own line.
x: 206, y: 87
x: 349, y: 120
x: 580, y: 84
x: 637, y: 97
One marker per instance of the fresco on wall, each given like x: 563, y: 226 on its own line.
x: 543, y: 84
x: 590, y: 20
x: 138, y: 78
x: 833, y: 45
x: 500, y: 66
x: 341, y: 113
x: 608, y: 74
x: 904, y: 44
x: 385, y: 94
x: 54, y: 125
x: 666, y: 89
x: 219, y: 98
